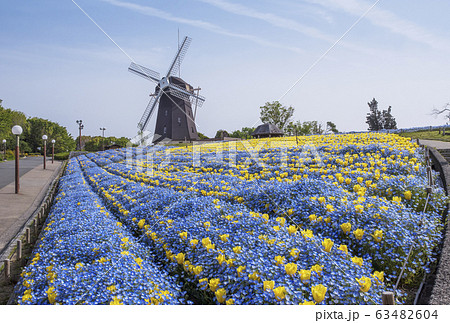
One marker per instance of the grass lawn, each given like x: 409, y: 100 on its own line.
x: 430, y: 135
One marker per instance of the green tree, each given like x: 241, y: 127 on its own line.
x: 202, y: 136
x: 276, y: 114
x: 244, y: 133
x: 331, y: 127
x: 220, y: 134
x: 378, y: 120
x: 8, y: 119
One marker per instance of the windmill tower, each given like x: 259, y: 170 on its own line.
x: 176, y: 98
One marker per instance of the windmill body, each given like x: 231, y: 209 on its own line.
x: 174, y: 98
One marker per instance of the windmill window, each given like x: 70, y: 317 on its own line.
x: 192, y: 129
x: 165, y: 129
x: 179, y: 121
x: 165, y: 113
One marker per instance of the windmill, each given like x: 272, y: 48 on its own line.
x: 176, y: 98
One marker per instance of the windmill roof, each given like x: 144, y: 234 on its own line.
x: 266, y: 129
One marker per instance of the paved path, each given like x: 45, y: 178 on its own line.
x: 16, y: 209
x: 7, y: 173
x: 435, y: 143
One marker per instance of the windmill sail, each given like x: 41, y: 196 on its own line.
x: 144, y: 72
x: 149, y: 111
x: 175, y: 66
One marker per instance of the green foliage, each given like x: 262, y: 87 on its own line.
x: 276, y: 114
x: 220, y: 134
x: 33, y: 129
x: 305, y: 128
x: 378, y: 120
x: 331, y: 127
x: 62, y: 156
x: 202, y: 136
x: 244, y: 133
x: 98, y: 143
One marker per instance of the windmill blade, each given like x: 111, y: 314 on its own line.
x: 144, y: 72
x: 175, y: 66
x: 185, y: 95
x: 149, y: 111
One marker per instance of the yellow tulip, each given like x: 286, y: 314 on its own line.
x: 321, y: 199
x: 357, y: 260
x: 397, y: 199
x: 237, y: 249
x: 307, y: 234
x: 197, y: 270
x: 193, y: 243
x: 407, y: 195
x: 327, y: 244
x: 294, y: 253
x: 290, y: 269
x: 364, y: 284
x: 221, y: 295
x: 213, y: 284
x: 221, y: 258
x: 379, y: 277
x: 307, y: 303
x: 343, y: 248
x: 378, y: 235
x: 224, y: 237
x: 254, y: 276
x: 318, y: 292
x: 281, y: 220
x: 141, y: 223
x: 268, y: 285
x: 180, y: 258
x: 239, y: 270
x: 280, y: 293
x: 183, y: 235
x: 358, y: 233
x: 207, y: 225
x: 346, y: 227
x: 292, y: 229
x: 305, y: 275
x: 279, y: 259
x: 317, y: 269
x: 116, y: 301
x: 230, y: 301
x: 290, y: 211
x: 312, y: 217
x: 206, y: 241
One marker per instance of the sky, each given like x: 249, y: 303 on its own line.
x: 325, y: 58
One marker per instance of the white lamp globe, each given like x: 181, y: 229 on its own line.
x: 44, y: 137
x: 17, y: 130
x: 53, y: 141
x: 4, y: 141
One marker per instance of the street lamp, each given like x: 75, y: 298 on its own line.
x: 4, y: 149
x: 53, y: 150
x: 17, y: 130
x: 44, y: 137
x: 80, y: 127
x: 103, y: 138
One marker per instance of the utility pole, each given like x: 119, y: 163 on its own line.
x: 80, y: 127
x: 103, y: 138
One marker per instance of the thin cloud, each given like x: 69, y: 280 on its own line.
x: 153, y: 12
x: 388, y: 20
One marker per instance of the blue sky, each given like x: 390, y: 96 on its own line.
x: 56, y: 64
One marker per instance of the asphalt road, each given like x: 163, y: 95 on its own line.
x: 7, y: 169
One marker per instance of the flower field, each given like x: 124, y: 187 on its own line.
x: 318, y: 220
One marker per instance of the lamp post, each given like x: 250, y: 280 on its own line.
x: 44, y: 137
x: 4, y: 149
x: 53, y: 150
x: 80, y: 127
x: 17, y: 131
x: 103, y: 138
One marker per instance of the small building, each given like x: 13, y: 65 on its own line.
x: 267, y: 130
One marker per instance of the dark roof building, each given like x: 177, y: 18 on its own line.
x: 267, y: 130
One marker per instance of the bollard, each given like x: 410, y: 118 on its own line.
x: 35, y: 226
x: 39, y: 218
x: 387, y: 298
x: 7, y: 268
x: 418, y: 143
x: 19, y: 249
x: 28, y: 235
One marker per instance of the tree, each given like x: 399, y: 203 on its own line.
x: 378, y: 120
x: 220, y: 134
x: 388, y: 120
x: 276, y: 114
x: 445, y: 108
x: 244, y: 133
x: 331, y: 127
x: 202, y: 136
x: 37, y: 127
